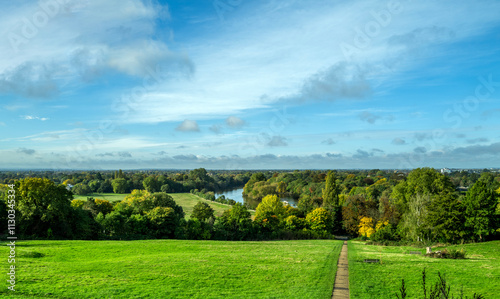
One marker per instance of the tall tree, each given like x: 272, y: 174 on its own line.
x: 480, y: 205
x: 413, y: 224
x: 421, y: 181
x: 330, y: 192
x: 445, y: 218
x: 331, y: 200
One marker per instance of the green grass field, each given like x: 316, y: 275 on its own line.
x: 113, y: 197
x: 173, y: 269
x: 479, y: 273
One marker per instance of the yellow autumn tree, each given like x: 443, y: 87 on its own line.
x: 381, y: 224
x: 366, y: 227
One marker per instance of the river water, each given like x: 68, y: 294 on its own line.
x: 237, y: 195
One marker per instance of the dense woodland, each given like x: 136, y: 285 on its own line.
x: 386, y: 206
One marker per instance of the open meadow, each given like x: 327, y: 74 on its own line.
x: 174, y: 269
x: 186, y: 200
x: 113, y: 197
x: 478, y: 273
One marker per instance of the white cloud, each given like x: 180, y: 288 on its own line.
x: 82, y: 42
x: 234, y: 122
x: 31, y: 117
x: 188, y: 126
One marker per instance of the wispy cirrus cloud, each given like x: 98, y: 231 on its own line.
x: 31, y: 117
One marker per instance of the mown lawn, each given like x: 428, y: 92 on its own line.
x: 173, y: 269
x: 479, y: 273
x: 113, y: 197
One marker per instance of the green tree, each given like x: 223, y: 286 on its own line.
x: 320, y: 220
x: 105, y: 187
x: 81, y: 189
x: 163, y: 221
x: 445, y: 218
x: 43, y: 205
x: 120, y: 185
x: 151, y: 184
x: 413, y: 225
x: 480, y: 204
x: 271, y: 204
x: 281, y: 189
x: 420, y: 181
x: 198, y: 174
x: 94, y: 185
x: 202, y: 211
x: 331, y: 200
x: 141, y: 202
x: 330, y: 192
x: 234, y: 224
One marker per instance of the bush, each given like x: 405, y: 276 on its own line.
x: 448, y: 254
x: 385, y: 233
x: 294, y: 223
x: 197, y: 230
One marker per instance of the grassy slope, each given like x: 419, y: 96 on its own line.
x: 186, y: 200
x: 107, y: 196
x: 175, y: 269
x: 480, y: 272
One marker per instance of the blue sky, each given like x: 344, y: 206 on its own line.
x: 249, y: 84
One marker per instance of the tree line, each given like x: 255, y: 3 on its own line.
x: 123, y: 182
x: 420, y: 206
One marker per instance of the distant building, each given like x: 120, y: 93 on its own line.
x: 445, y: 170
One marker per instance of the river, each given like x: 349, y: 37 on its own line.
x: 237, y: 195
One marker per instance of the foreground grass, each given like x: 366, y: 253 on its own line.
x: 174, y: 269
x: 479, y: 273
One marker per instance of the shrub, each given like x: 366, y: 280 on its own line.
x: 294, y: 223
x: 366, y: 227
x: 448, y: 254
x: 385, y: 233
